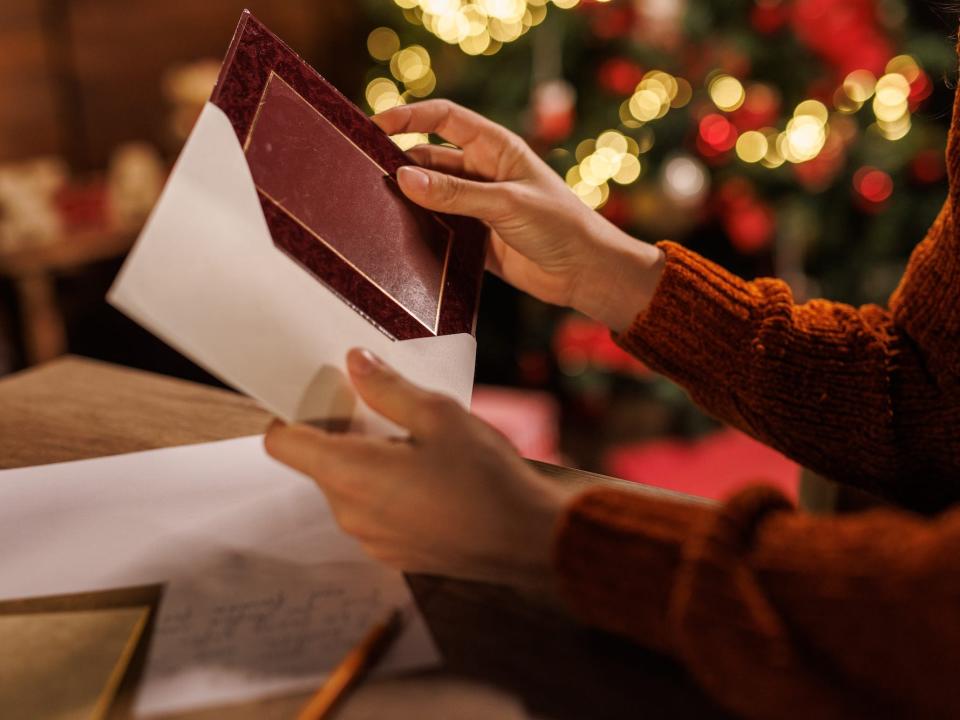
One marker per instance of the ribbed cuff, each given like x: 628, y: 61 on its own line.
x: 700, y: 317
x: 617, y: 554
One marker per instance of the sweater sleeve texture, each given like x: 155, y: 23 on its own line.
x: 869, y: 396
x: 777, y: 613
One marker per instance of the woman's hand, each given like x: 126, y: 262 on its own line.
x: 455, y: 500
x: 544, y: 240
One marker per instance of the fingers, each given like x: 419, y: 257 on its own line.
x: 327, y: 458
x: 450, y: 194
x: 424, y: 414
x: 439, y: 157
x: 454, y: 123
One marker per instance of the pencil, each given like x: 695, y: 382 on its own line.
x: 356, y: 663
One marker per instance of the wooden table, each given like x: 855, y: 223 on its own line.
x: 505, y: 654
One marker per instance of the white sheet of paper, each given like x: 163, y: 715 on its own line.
x: 264, y: 593
x: 206, y: 277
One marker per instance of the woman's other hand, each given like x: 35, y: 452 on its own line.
x: 456, y: 500
x: 544, y: 240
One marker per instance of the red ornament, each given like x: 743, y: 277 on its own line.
x: 579, y: 341
x: 619, y: 76
x: 718, y: 133
x: 920, y: 89
x: 845, y: 33
x: 928, y: 166
x: 749, y: 223
x: 751, y: 228
x: 553, y: 104
x: 612, y: 21
x: 616, y: 209
x: 873, y: 188
x: 769, y: 16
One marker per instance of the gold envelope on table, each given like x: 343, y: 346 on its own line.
x: 64, y: 657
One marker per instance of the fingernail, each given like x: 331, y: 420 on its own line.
x: 364, y: 362
x: 413, y: 179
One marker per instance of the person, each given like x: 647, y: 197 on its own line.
x: 776, y: 613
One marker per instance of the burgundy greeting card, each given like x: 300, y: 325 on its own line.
x: 325, y: 178
x: 281, y: 241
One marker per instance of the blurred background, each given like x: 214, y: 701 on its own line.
x: 797, y: 138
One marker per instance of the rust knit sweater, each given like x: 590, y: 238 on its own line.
x: 779, y: 614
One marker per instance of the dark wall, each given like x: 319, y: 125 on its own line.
x: 79, y: 76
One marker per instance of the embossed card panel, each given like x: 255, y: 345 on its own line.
x: 325, y: 177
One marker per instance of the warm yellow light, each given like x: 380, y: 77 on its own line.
x: 596, y: 170
x: 896, y: 130
x: 684, y: 94
x: 665, y: 80
x: 590, y: 194
x: 626, y: 116
x: 382, y: 94
x: 505, y: 31
x: 887, y: 112
x: 382, y: 43
x: 752, y: 146
x: 844, y: 103
x: 726, y: 92
x: 454, y: 27
x: 410, y: 64
x: 803, y: 139
x: 439, y: 7
x: 479, y: 26
x: 476, y: 44
x: 506, y: 10
x: 814, y: 109
x: 904, y: 65
x: 629, y: 170
x: 584, y: 149
x: 645, y: 105
x: 613, y: 140
x: 860, y: 85
x: 405, y: 141
x: 534, y: 16
x: 773, y: 158
x: 424, y: 86
x: 655, y: 86
x: 892, y: 90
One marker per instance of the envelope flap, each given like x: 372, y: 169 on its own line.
x: 206, y: 277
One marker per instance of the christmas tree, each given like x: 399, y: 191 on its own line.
x: 801, y: 138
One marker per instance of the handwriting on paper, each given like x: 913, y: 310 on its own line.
x: 269, y: 622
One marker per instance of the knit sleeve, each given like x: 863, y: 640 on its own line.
x: 868, y: 396
x: 777, y: 614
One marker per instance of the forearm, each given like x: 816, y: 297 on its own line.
x: 776, y: 613
x: 839, y: 389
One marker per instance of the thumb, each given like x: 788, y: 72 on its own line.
x: 449, y: 194
x: 422, y: 412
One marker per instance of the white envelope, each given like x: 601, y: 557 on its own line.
x: 206, y: 277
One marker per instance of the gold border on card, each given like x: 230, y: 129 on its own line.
x: 446, y: 259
